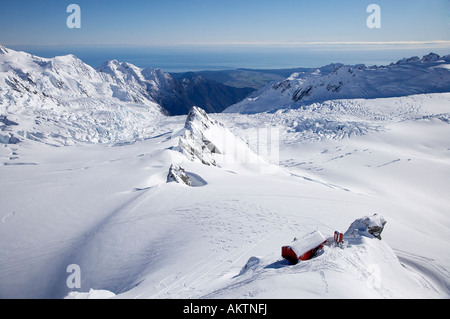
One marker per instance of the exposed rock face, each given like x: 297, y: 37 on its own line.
x: 178, y: 174
x: 371, y: 226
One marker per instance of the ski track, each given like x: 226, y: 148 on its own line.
x: 223, y: 234
x: 430, y: 275
x: 334, y: 259
x: 229, y: 230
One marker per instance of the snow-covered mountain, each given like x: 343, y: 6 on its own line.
x: 149, y: 82
x: 51, y: 95
x: 153, y: 206
x: 430, y: 74
x: 57, y: 82
x: 177, y: 95
x: 63, y: 100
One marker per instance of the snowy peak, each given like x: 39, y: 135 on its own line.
x: 64, y: 78
x: 127, y: 72
x: 109, y: 67
x: 62, y: 100
x: 430, y: 74
x: 121, y: 70
x: 197, y: 119
x: 432, y: 57
x: 152, y: 83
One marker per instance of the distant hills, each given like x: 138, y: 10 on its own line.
x: 429, y: 74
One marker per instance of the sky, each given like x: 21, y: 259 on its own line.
x: 180, y: 35
x: 200, y: 22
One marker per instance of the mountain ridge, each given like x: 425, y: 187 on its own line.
x: 62, y: 100
x: 429, y: 74
x: 68, y: 76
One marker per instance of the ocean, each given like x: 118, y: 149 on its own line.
x: 200, y: 58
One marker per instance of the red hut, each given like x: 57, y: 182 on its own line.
x: 304, y: 248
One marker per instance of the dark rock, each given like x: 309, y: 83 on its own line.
x: 178, y: 174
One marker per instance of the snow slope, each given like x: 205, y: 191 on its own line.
x: 109, y: 209
x: 430, y: 74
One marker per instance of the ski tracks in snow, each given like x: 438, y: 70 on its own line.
x: 230, y: 231
x: 429, y: 274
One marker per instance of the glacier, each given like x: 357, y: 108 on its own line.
x: 86, y: 183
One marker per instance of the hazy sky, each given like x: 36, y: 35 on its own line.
x: 147, y: 22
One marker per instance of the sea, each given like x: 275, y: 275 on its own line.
x: 176, y: 59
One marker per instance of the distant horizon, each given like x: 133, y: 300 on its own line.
x: 195, y: 58
x: 206, y: 22
x: 177, y: 35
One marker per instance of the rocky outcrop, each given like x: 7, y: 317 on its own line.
x: 178, y: 174
x: 208, y: 141
x: 369, y: 226
x: 195, y: 143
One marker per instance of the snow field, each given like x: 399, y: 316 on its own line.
x: 86, y: 184
x: 108, y: 209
